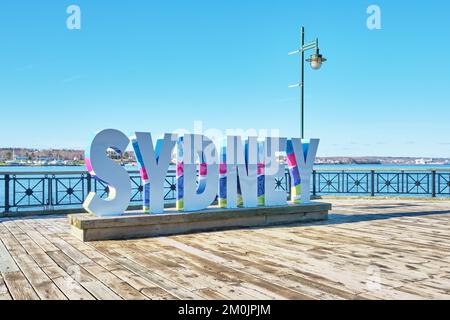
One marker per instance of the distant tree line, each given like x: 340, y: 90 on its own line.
x: 34, y: 154
x: 7, y: 154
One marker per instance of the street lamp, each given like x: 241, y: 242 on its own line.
x: 316, y: 60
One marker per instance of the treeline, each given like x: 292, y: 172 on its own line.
x: 33, y: 154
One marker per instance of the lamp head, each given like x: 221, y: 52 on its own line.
x: 316, y: 60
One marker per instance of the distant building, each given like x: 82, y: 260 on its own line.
x: 420, y: 161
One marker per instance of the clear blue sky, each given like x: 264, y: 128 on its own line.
x: 157, y: 66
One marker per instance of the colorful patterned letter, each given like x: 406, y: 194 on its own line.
x: 261, y: 178
x: 274, y: 172
x: 223, y: 175
x: 242, y: 186
x: 301, y: 158
x: 193, y: 148
x: 154, y: 164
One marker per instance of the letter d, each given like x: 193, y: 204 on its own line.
x: 109, y: 172
x: 199, y: 196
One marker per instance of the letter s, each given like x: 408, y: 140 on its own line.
x: 109, y: 172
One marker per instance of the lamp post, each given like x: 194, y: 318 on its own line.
x: 316, y: 60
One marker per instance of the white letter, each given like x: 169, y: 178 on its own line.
x: 374, y: 20
x: 243, y: 165
x: 154, y: 165
x: 106, y: 170
x: 195, y: 198
x: 74, y: 20
x: 273, y: 171
x: 305, y: 155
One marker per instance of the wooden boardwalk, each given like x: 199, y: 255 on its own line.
x: 369, y: 249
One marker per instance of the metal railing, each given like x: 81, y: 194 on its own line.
x: 51, y: 191
x: 382, y: 182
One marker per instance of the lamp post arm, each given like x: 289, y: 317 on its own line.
x: 311, y: 46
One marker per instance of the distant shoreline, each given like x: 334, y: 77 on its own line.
x: 322, y: 161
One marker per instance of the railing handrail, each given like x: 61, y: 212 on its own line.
x: 368, y: 169
x: 384, y: 169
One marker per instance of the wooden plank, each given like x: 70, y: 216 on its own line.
x: 61, y: 279
x: 7, y: 263
x: 250, y: 281
x: 199, y: 277
x: 77, y: 256
x: 62, y: 260
x: 72, y: 289
x: 4, y: 293
x: 301, y: 264
x: 167, y: 270
x: 80, y: 260
x: 357, y: 267
x: 148, y: 274
x: 88, y: 281
x: 277, y: 267
x: 84, y: 278
x: 41, y: 283
x: 10, y: 242
x: 388, y: 257
x: 91, y: 252
x: 30, y: 246
x: 100, y: 291
x: 19, y: 287
x: 120, y: 287
x: 279, y: 274
x: 147, y: 288
x: 41, y: 241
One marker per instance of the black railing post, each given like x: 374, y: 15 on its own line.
x: 433, y: 183
x: 314, y: 183
x: 372, y: 183
x: 402, y: 191
x: 288, y: 184
x: 50, y: 190
x: 89, y: 183
x: 7, y: 205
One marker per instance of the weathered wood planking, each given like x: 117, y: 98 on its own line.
x: 368, y: 249
x: 7, y: 263
x: 4, y: 294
